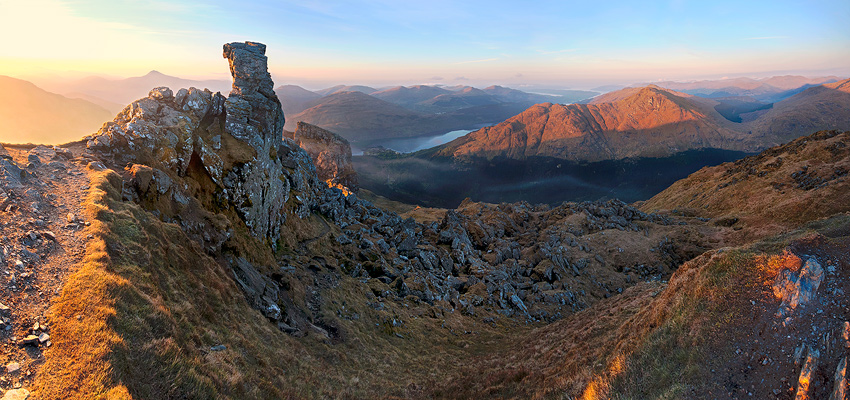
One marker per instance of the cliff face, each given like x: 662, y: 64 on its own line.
x: 235, y: 141
x: 639, y: 122
x: 331, y: 154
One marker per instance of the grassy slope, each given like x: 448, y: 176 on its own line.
x: 762, y: 191
x: 656, y: 340
x: 138, y: 319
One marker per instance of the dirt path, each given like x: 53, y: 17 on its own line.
x: 42, y: 240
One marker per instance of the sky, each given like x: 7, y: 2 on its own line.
x: 382, y: 42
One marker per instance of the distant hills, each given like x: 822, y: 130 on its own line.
x: 738, y: 114
x: 294, y: 99
x: 627, y: 144
x: 29, y: 114
x: 821, y: 107
x: 356, y: 116
x: 652, y: 122
x: 117, y: 93
x: 364, y: 114
x: 770, y: 89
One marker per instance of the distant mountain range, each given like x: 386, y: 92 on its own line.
x: 364, y: 114
x: 769, y: 90
x: 652, y: 122
x: 740, y: 113
x: 627, y: 144
x: 29, y: 114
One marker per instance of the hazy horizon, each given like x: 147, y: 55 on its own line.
x: 383, y: 43
x: 50, y: 80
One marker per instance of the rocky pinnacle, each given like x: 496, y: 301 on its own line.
x: 253, y: 109
x: 238, y: 141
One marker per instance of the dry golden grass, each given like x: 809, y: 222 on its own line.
x: 761, y: 191
x: 138, y: 319
x: 78, y: 365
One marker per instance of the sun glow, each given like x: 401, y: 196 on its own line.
x: 52, y: 38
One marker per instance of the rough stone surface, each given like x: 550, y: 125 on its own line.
x: 12, y: 367
x: 805, y: 378
x: 330, y: 152
x: 839, y: 391
x: 16, y: 394
x: 237, y: 141
x: 796, y: 289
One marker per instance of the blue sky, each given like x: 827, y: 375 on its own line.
x: 562, y: 43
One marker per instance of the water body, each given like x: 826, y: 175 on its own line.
x: 414, y: 144
x: 410, y: 145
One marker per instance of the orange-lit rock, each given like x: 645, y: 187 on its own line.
x: 331, y: 154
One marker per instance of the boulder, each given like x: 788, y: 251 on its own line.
x: 797, y: 288
x: 330, y: 153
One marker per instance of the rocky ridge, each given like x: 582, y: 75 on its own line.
x: 235, y: 141
x: 351, y: 289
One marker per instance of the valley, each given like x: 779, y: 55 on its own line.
x: 442, y: 182
x: 627, y: 144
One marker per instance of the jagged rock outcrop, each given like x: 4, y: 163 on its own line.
x: 330, y: 152
x: 236, y: 141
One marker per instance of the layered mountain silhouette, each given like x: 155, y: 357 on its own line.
x: 29, y: 114
x: 815, y: 108
x: 294, y: 99
x: 364, y: 114
x: 409, y: 96
x: 651, y: 122
x: 770, y: 89
x: 346, y: 88
x: 357, y: 116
